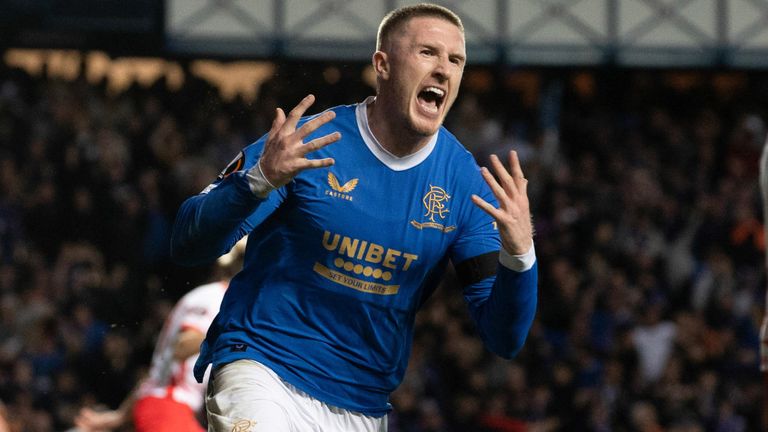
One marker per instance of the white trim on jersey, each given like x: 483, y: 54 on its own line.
x: 393, y: 162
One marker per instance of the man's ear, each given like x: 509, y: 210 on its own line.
x: 381, y: 64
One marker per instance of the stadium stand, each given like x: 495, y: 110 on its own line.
x: 648, y: 221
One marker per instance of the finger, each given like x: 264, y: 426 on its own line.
x: 310, y: 126
x: 486, y: 207
x: 83, y: 423
x: 86, y: 413
x: 278, y: 121
x: 505, y: 179
x: 89, y: 419
x: 316, y: 163
x: 514, y: 164
x: 523, y: 186
x: 516, y: 169
x: 318, y: 143
x: 293, y: 117
x: 498, y: 191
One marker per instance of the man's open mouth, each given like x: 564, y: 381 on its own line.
x: 431, y: 98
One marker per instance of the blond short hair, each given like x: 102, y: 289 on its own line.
x: 394, y: 20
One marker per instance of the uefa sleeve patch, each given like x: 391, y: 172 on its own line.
x: 236, y: 165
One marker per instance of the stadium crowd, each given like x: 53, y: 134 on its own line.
x: 649, y: 238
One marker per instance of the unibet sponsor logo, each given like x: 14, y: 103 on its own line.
x: 368, y: 251
x: 355, y: 283
x: 358, y: 257
x: 369, y: 271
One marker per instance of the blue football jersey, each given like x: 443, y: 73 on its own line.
x: 340, y: 259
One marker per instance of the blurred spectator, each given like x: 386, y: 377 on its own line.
x: 654, y: 339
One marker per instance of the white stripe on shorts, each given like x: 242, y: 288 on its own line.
x: 246, y: 396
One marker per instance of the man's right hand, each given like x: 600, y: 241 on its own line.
x: 284, y: 155
x: 90, y: 420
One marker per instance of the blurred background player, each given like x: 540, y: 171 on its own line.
x: 169, y: 398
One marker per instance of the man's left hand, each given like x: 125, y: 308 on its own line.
x: 513, y: 216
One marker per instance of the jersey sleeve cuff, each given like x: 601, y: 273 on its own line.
x: 518, y: 263
x: 257, y: 182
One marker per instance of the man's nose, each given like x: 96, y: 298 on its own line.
x: 442, y: 69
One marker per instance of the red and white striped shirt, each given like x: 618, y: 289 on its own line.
x: 167, y: 376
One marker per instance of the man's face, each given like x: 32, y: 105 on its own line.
x: 426, y: 64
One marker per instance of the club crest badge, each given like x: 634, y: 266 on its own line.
x: 436, y: 204
x: 243, y: 425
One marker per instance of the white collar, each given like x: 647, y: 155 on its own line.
x: 393, y: 162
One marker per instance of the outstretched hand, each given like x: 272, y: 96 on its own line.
x: 513, y: 216
x: 89, y: 420
x: 284, y: 155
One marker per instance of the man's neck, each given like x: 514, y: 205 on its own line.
x: 397, y: 140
